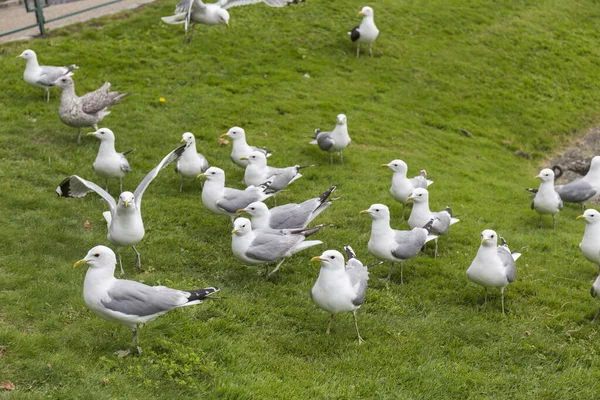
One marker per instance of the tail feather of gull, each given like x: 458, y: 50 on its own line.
x: 87, y: 110
x: 257, y: 171
x: 366, y: 32
x: 240, y: 149
x: 584, y: 189
x: 288, y: 216
x: 109, y: 164
x: 392, y: 245
x: 493, y: 266
x: 338, y: 289
x: 335, y: 141
x: 269, y: 246
x: 191, y: 163
x: 402, y: 187
x: 130, y: 303
x: 546, y: 200
x: 43, y: 76
x: 124, y: 218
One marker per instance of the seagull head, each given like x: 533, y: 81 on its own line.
x: 366, y: 12
x: 126, y: 200
x: 98, y: 257
x: 396, y: 166
x: 63, y: 82
x: 545, y: 175
x: 188, y: 137
x: 256, y: 158
x: 256, y: 209
x: 223, y: 16
x: 235, y: 133
x: 330, y: 259
x: 341, y: 119
x: 213, y: 174
x: 28, y: 55
x: 104, y: 134
x: 377, y: 211
x: 489, y: 238
x: 419, y: 195
x: 590, y: 216
x: 595, y: 163
x: 241, y: 226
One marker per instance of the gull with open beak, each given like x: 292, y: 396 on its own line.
x: 240, y: 149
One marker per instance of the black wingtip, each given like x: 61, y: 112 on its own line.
x: 429, y: 225
x: 503, y: 241
x: 64, y: 188
x: 349, y: 252
x: 327, y: 193
x: 201, y: 294
x: 449, y: 211
x: 532, y: 190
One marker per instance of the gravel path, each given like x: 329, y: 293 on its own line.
x: 15, y: 16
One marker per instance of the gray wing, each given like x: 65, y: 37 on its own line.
x: 577, y: 191
x: 324, y: 140
x: 359, y: 275
x: 441, y: 223
x: 293, y: 215
x: 408, y: 243
x: 48, y: 75
x: 419, y: 182
x: 509, y: 264
x: 75, y: 186
x: 169, y: 158
x: 236, y: 3
x: 271, y: 246
x: 281, y: 177
x: 234, y: 199
x: 134, y: 298
x: 125, y: 164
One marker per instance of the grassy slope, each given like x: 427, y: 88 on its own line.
x: 517, y: 75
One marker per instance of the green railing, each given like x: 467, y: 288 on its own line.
x: 38, y: 9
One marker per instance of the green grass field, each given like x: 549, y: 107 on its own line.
x: 518, y: 75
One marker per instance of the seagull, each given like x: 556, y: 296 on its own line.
x: 340, y: 289
x: 109, y: 164
x: 388, y: 244
x: 590, y: 243
x: 87, y: 110
x: 546, y: 200
x: 366, y: 32
x: 288, y: 216
x: 129, y: 303
x: 191, y: 163
x: 240, y: 149
x: 43, y: 76
x: 334, y: 141
x: 190, y: 12
x: 227, y: 201
x: 402, y: 187
x: 257, y: 172
x: 264, y: 247
x: 595, y: 292
x: 583, y: 189
x: 124, y: 218
x: 493, y: 266
x: 420, y: 215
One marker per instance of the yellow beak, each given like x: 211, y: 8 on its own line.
x: 223, y: 135
x: 182, y: 140
x: 364, y: 212
x: 90, y: 133
x: 244, y: 158
x: 316, y: 259
x: 241, y: 210
x: 201, y: 176
x: 361, y: 13
x: 80, y: 262
x: 409, y: 198
x: 233, y: 232
x: 580, y: 217
x: 384, y: 166
x: 126, y: 203
x: 483, y: 241
x: 536, y: 177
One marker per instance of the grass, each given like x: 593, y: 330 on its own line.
x: 518, y: 75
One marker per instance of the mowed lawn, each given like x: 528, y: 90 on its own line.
x: 518, y: 76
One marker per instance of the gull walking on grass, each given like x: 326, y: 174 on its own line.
x: 110, y: 164
x: 547, y: 200
x: 335, y: 141
x: 129, y: 303
x: 124, y: 218
x: 43, y: 76
x: 87, y: 110
x: 191, y: 163
x: 493, y: 266
x: 366, y: 32
x: 240, y: 150
x: 402, y: 187
x: 258, y: 171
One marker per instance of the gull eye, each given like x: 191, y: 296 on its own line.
x: 243, y: 226
x: 97, y: 255
x: 492, y: 236
x: 332, y: 257
x: 252, y: 208
x: 377, y: 210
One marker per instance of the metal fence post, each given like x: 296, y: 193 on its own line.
x: 39, y: 16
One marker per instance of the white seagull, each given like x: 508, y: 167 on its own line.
x: 240, y: 149
x: 388, y: 244
x: 583, y: 189
x: 265, y: 247
x: 129, y: 303
x: 340, y: 289
x: 124, y: 219
x: 336, y: 140
x: 190, y: 12
x: 493, y: 266
x: 366, y: 32
x: 227, y: 201
x: 590, y: 243
x: 258, y: 172
x: 43, y: 76
x: 420, y: 215
x: 110, y: 164
x: 402, y: 187
x: 191, y: 163
x: 546, y: 200
x: 87, y: 110
x: 288, y: 216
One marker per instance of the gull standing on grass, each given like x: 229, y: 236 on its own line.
x: 110, y: 164
x: 420, y: 215
x: 340, y: 289
x: 124, y: 219
x: 227, y: 201
x: 590, y: 243
x: 87, y: 110
x: 258, y: 171
x: 336, y: 140
x: 190, y: 12
x: 493, y: 266
x: 288, y: 216
x: 43, y: 76
x: 191, y: 163
x: 546, y: 200
x: 391, y: 245
x: 583, y: 189
x: 129, y: 303
x: 240, y: 150
x: 366, y: 32
x: 265, y: 247
x: 402, y: 187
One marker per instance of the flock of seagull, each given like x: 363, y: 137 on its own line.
x: 273, y: 234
